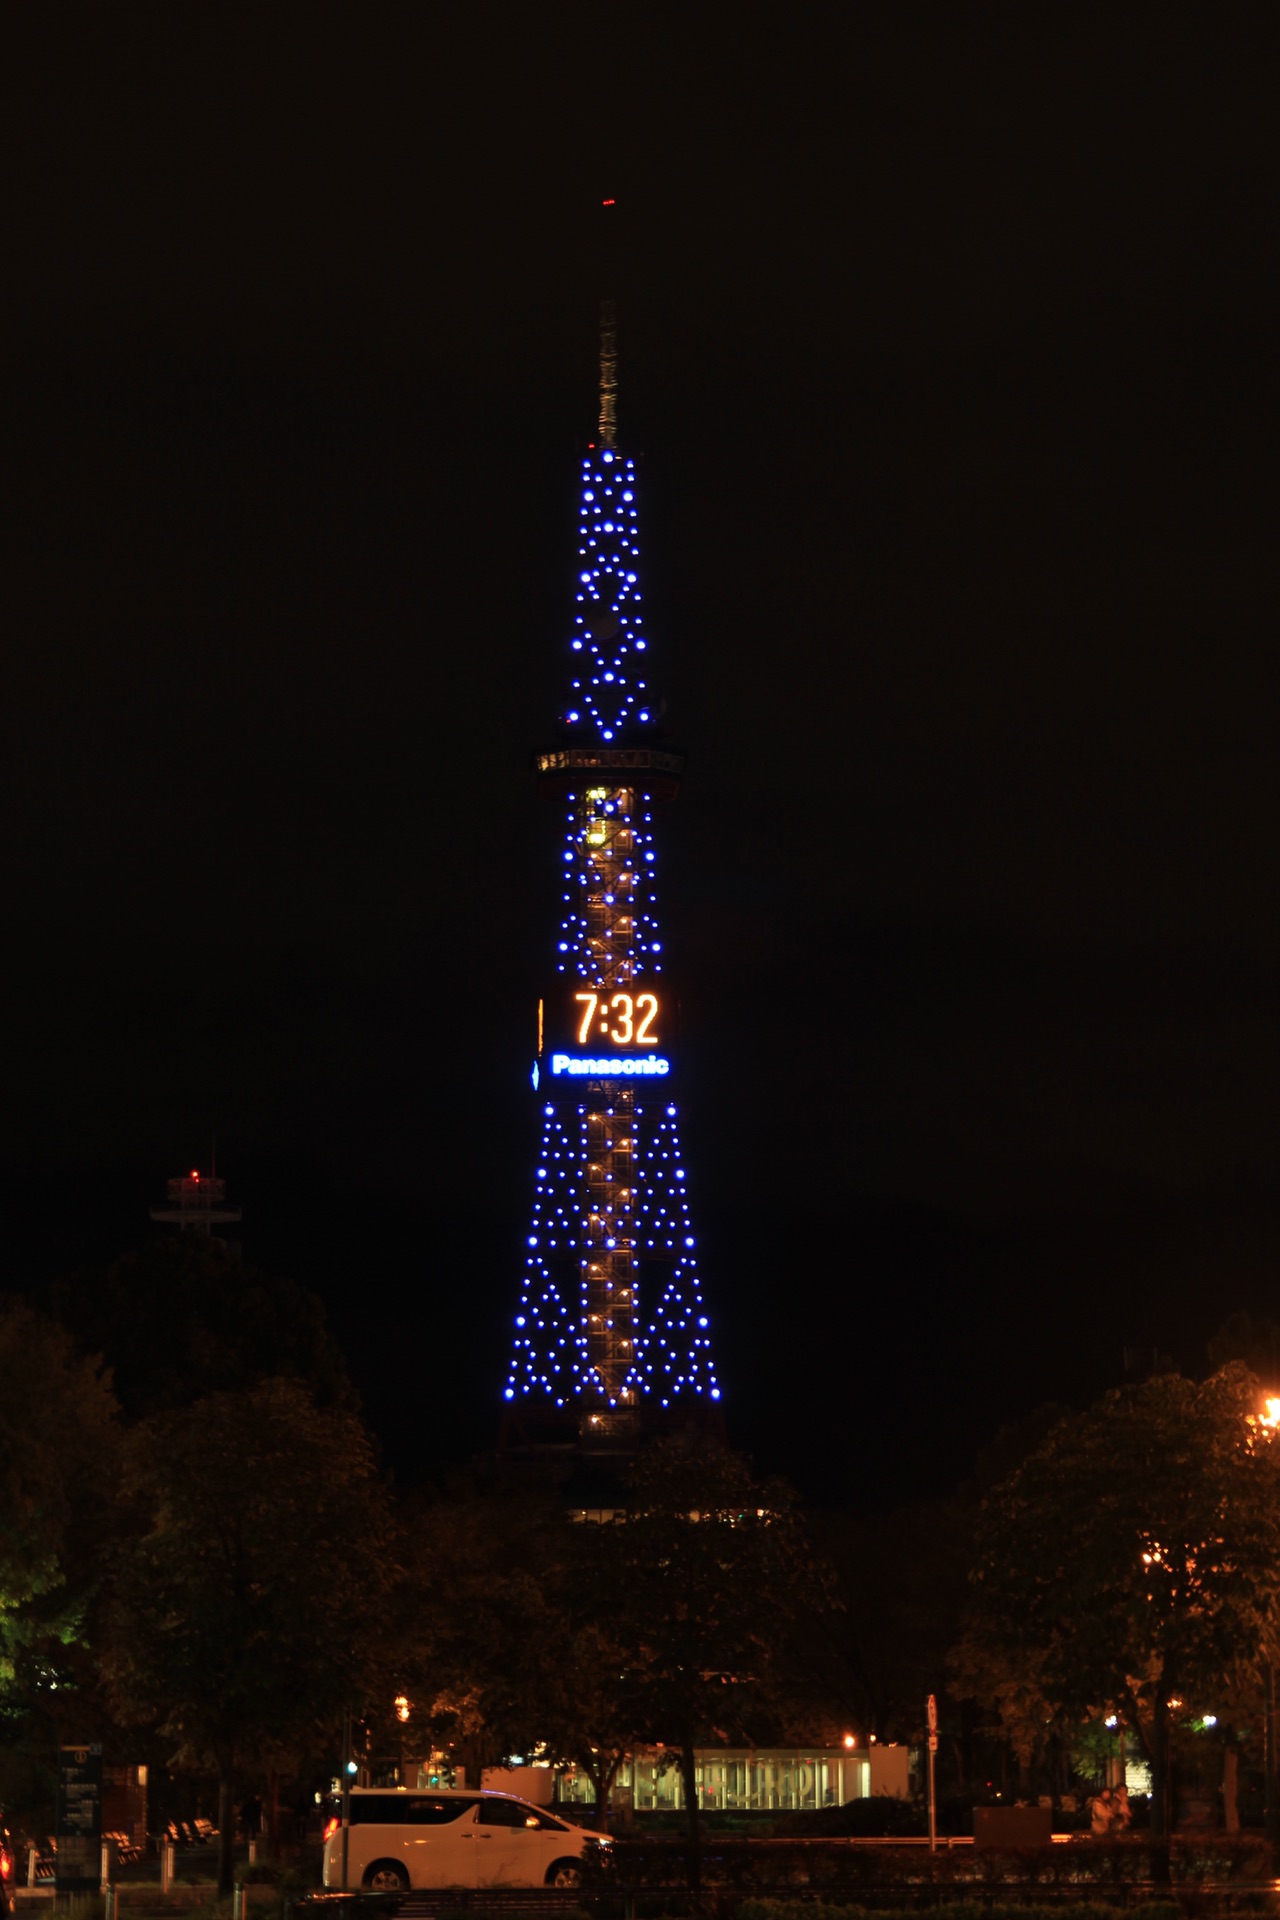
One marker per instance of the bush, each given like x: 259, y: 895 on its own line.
x: 842, y: 1875
x: 954, y: 1910
x: 882, y: 1817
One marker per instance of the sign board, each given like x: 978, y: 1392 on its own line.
x: 933, y: 1713
x: 79, y: 1817
x: 599, y: 1034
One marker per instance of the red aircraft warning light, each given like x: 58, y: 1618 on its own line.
x: 197, y: 1204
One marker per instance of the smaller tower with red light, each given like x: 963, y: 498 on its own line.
x: 197, y: 1204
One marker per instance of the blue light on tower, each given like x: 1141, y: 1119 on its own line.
x: 608, y: 622
x: 611, y: 1319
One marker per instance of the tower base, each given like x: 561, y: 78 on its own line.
x: 533, y: 1428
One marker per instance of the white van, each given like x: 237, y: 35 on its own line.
x: 450, y: 1837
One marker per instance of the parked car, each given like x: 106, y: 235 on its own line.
x: 451, y: 1837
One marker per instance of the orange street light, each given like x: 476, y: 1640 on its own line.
x: 1269, y: 1419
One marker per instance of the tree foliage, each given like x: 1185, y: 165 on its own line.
x: 57, y: 1438
x: 521, y: 1627
x: 1254, y: 1342
x: 1129, y: 1563
x: 507, y: 1641
x: 184, y: 1316
x: 59, y: 1443
x: 902, y: 1580
x: 245, y: 1609
x: 476, y: 1626
x: 707, y: 1578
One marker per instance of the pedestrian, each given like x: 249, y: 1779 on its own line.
x: 1122, y: 1815
x: 1102, y: 1814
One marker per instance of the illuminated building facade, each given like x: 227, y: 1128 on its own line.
x: 611, y: 1333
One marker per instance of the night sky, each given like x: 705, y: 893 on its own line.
x: 948, y: 338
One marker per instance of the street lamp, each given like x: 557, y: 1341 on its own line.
x: 1269, y: 1419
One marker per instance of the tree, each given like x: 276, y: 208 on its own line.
x: 500, y: 1645
x: 890, y: 1640
x: 1255, y: 1343
x: 184, y: 1316
x: 524, y: 1630
x: 1130, y: 1562
x: 245, y: 1611
x: 56, y: 1435
x: 702, y: 1583
x: 478, y: 1627
x: 58, y: 1448
x: 591, y: 1716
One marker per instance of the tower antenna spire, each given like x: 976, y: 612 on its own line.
x: 607, y: 433
x: 607, y: 428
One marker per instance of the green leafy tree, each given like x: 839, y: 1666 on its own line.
x: 1254, y: 1342
x: 890, y: 1640
x: 476, y: 1624
x: 246, y: 1610
x: 704, y: 1583
x: 59, y: 1446
x: 521, y: 1629
x: 185, y: 1316
x: 590, y: 1701
x: 500, y: 1646
x: 1130, y: 1562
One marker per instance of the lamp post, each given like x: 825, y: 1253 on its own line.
x: 932, y: 1713
x: 346, y: 1797
x: 1269, y: 1816
x: 1269, y: 1420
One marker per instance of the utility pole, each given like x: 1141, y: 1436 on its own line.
x: 1271, y: 1816
x: 346, y: 1796
x: 933, y: 1795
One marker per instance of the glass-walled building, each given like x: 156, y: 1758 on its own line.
x: 782, y: 1780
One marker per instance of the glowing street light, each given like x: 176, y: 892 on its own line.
x: 1269, y: 1419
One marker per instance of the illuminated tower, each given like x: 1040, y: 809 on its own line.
x: 611, y: 1334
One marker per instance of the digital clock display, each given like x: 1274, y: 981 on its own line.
x: 621, y: 1019
x: 605, y: 1033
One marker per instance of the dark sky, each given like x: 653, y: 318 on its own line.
x: 948, y: 337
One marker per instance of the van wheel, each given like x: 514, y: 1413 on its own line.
x: 564, y: 1873
x: 386, y: 1876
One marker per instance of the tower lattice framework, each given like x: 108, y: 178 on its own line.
x: 611, y: 1323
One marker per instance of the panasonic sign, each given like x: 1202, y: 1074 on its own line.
x: 567, y: 1065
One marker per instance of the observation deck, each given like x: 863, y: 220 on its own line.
x: 556, y: 765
